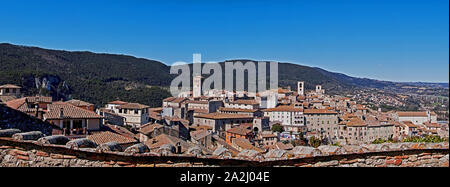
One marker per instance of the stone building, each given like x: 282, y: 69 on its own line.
x: 290, y: 117
x: 135, y: 114
x: 72, y: 119
x: 417, y: 118
x: 10, y: 90
x: 322, y: 121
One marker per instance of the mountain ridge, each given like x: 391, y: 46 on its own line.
x: 102, y: 77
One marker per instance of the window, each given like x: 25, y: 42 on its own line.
x: 77, y: 124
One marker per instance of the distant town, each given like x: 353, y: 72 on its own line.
x: 220, y: 121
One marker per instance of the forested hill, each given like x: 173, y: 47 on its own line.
x: 99, y: 78
x: 96, y: 78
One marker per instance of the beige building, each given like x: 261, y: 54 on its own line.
x: 417, y: 118
x: 10, y: 90
x: 73, y: 119
x: 290, y: 117
x: 353, y: 132
x: 322, y: 121
x: 219, y: 122
x: 135, y: 114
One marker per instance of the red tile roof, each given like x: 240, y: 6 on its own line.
x: 237, y: 110
x: 319, y: 111
x: 245, y: 144
x: 79, y: 103
x: 223, y: 116
x: 117, y: 102
x: 69, y: 112
x: 10, y: 86
x: 284, y: 109
x: 134, y: 106
x: 245, y: 102
x: 106, y: 136
x: 412, y: 114
x: 240, y: 130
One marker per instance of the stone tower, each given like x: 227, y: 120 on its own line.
x: 197, y: 92
x: 301, y: 88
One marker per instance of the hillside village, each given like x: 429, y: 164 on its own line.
x: 219, y: 120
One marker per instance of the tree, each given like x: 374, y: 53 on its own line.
x: 314, y: 142
x: 277, y: 128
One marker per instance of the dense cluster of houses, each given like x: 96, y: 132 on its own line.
x: 234, y: 120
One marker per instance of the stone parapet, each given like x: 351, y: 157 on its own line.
x: 17, y: 153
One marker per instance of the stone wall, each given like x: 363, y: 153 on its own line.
x: 30, y: 154
x: 14, y: 119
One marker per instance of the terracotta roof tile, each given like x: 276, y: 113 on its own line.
x: 134, y: 106
x: 10, y: 86
x: 79, y: 103
x: 68, y: 112
x: 284, y: 109
x: 319, y: 111
x: 245, y: 102
x: 240, y: 130
x: 223, y: 116
x: 412, y: 114
x: 106, y: 136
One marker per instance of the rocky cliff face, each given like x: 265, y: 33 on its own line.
x: 48, y: 85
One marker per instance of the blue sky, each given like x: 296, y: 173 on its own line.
x: 399, y: 40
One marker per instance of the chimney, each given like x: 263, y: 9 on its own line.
x: 37, y: 110
x: 178, y: 148
x: 61, y: 113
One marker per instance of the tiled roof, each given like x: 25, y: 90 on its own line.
x: 134, y: 106
x: 79, y: 103
x: 16, y: 103
x: 240, y: 130
x: 119, y: 130
x: 197, y: 102
x: 10, y: 86
x: 284, y: 109
x: 281, y: 145
x: 157, y: 110
x: 6, y: 98
x: 200, y: 111
x: 245, y: 102
x: 412, y: 114
x: 169, y: 99
x: 155, y: 115
x: 410, y: 124
x: 117, y: 102
x: 223, y: 116
x: 356, y: 123
x: 431, y: 125
x: 198, y: 134
x: 245, y: 144
x: 148, y: 128
x: 39, y: 99
x: 164, y: 139
x: 237, y: 110
x: 69, y: 112
x: 268, y: 135
x: 179, y: 100
x: 106, y: 136
x: 318, y: 111
x: 283, y: 91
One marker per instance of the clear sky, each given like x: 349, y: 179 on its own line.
x: 399, y: 40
